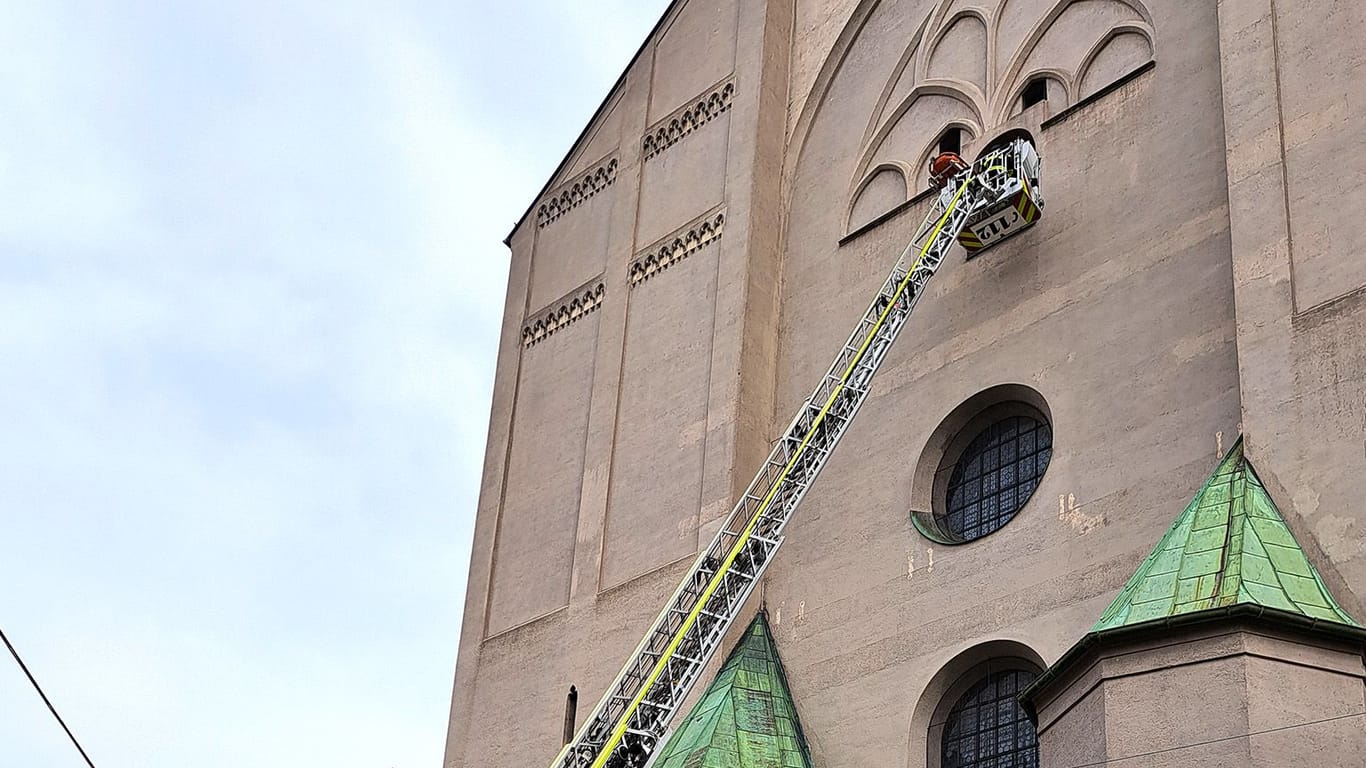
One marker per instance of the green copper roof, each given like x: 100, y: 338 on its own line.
x: 745, y: 718
x: 1230, y: 546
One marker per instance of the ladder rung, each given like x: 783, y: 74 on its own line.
x: 711, y: 615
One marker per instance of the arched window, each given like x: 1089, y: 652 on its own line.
x: 987, y: 728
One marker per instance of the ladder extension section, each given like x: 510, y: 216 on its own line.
x: 632, y: 720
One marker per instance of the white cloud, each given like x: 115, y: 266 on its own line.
x: 251, y: 280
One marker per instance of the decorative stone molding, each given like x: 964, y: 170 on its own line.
x: 697, y: 113
x: 677, y: 247
x: 570, y: 195
x: 968, y: 68
x: 580, y: 302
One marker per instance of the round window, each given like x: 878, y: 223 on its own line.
x: 981, y: 465
x: 994, y: 476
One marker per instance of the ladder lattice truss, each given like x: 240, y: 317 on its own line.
x: 633, y: 718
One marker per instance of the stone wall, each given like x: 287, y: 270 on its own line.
x: 688, y: 273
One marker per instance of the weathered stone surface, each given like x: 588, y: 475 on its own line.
x: 1242, y: 690
x: 1196, y: 275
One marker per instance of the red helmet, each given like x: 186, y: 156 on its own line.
x: 944, y: 165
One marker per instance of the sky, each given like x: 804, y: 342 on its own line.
x: 251, y: 278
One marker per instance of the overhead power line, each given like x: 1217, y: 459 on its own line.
x: 46, y: 700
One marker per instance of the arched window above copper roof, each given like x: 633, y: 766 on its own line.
x: 987, y: 728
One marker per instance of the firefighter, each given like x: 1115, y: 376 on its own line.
x: 945, y: 166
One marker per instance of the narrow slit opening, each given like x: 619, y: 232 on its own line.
x: 571, y: 707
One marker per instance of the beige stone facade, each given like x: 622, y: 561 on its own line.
x: 701, y: 254
x: 1228, y: 694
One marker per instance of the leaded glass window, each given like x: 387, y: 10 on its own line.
x: 996, y: 475
x: 988, y: 729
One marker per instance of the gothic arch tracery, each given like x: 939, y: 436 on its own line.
x: 1074, y: 43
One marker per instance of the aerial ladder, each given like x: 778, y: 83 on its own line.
x: 978, y: 205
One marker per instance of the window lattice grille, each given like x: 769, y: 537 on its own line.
x: 996, y: 475
x: 988, y: 729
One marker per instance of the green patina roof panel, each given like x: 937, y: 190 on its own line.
x: 1230, y: 546
x: 745, y: 718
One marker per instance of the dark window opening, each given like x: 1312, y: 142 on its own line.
x: 1035, y: 92
x: 571, y: 707
x: 951, y: 141
x: 987, y: 727
x: 996, y: 475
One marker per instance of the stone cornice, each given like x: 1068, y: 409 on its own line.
x: 567, y: 310
x: 678, y: 246
x: 571, y: 194
x: 1168, y: 628
x: 696, y: 113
